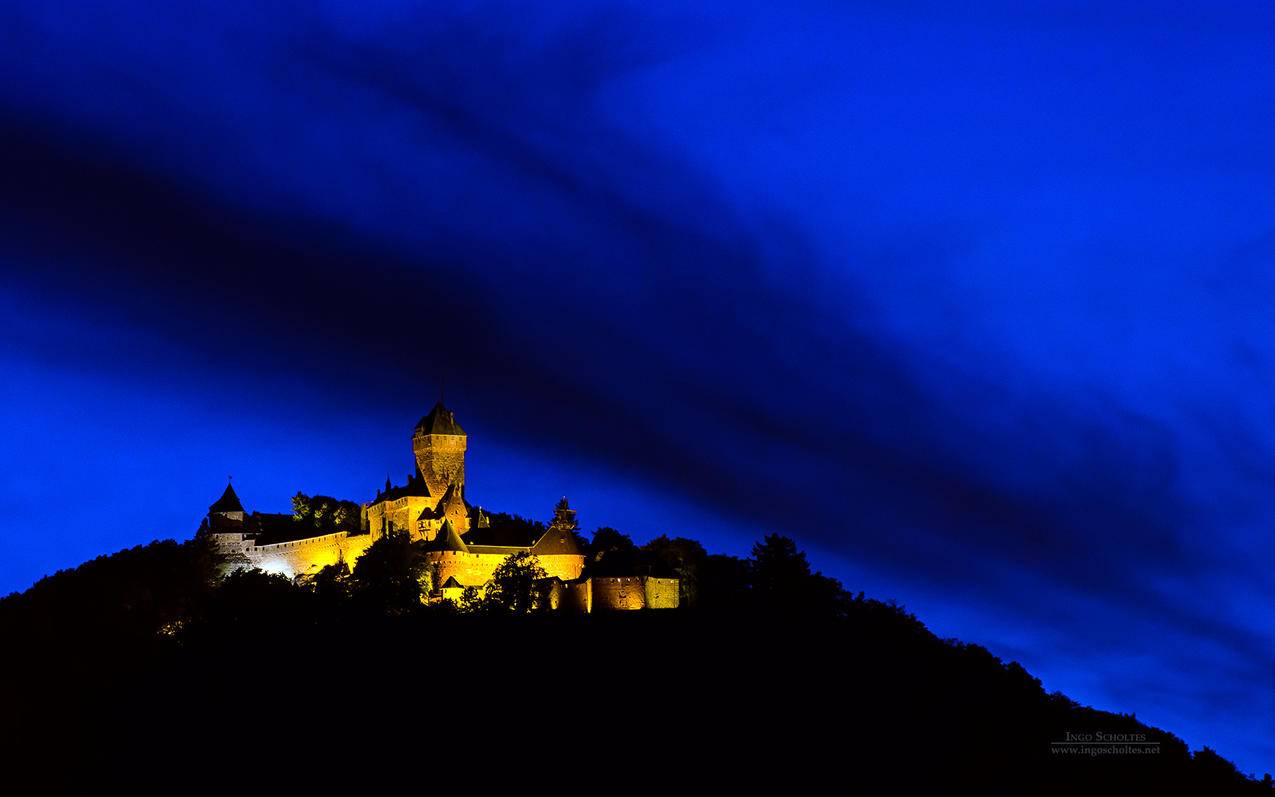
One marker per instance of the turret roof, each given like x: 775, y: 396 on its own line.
x: 440, y: 420
x: 229, y: 502
x: 448, y: 540
x: 557, y: 540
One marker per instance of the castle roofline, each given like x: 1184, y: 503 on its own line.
x: 416, y: 487
x: 498, y: 550
x: 440, y: 420
x: 556, y: 540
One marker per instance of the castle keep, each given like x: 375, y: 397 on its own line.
x: 435, y: 491
x: 464, y: 548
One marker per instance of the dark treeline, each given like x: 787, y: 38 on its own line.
x: 325, y: 513
x: 144, y: 671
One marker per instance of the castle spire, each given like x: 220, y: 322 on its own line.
x: 229, y: 502
x: 448, y: 539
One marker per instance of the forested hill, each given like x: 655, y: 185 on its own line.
x: 141, y: 671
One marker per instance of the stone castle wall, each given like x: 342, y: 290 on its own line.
x: 612, y: 593
x: 308, y: 556
x: 633, y: 592
x: 399, y: 515
x: 564, y: 566
x: 567, y: 593
x: 298, y: 558
x: 662, y: 593
x: 577, y: 596
x: 475, y: 569
x: 618, y: 593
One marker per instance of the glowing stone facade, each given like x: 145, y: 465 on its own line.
x: 463, y: 548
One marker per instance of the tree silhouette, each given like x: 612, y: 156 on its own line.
x: 780, y: 580
x: 470, y: 600
x: 332, y: 584
x: 256, y: 599
x: 722, y: 584
x: 393, y: 574
x: 678, y: 558
x: 324, y: 513
x: 513, y: 583
x: 611, y: 553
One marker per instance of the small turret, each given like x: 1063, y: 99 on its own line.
x: 448, y: 540
x: 228, y: 532
x: 228, y: 507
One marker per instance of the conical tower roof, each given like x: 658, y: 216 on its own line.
x: 229, y: 502
x: 448, y: 539
x: 440, y: 420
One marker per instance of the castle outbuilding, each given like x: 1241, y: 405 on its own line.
x: 463, y: 547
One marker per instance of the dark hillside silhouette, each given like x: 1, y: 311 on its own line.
x: 141, y: 671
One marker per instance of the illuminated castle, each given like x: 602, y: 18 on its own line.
x: 464, y: 548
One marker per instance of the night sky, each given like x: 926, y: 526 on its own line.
x: 974, y: 303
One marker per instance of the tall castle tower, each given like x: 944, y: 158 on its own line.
x: 439, y: 444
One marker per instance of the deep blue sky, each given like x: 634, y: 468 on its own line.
x: 974, y: 303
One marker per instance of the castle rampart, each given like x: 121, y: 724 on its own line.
x: 618, y: 593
